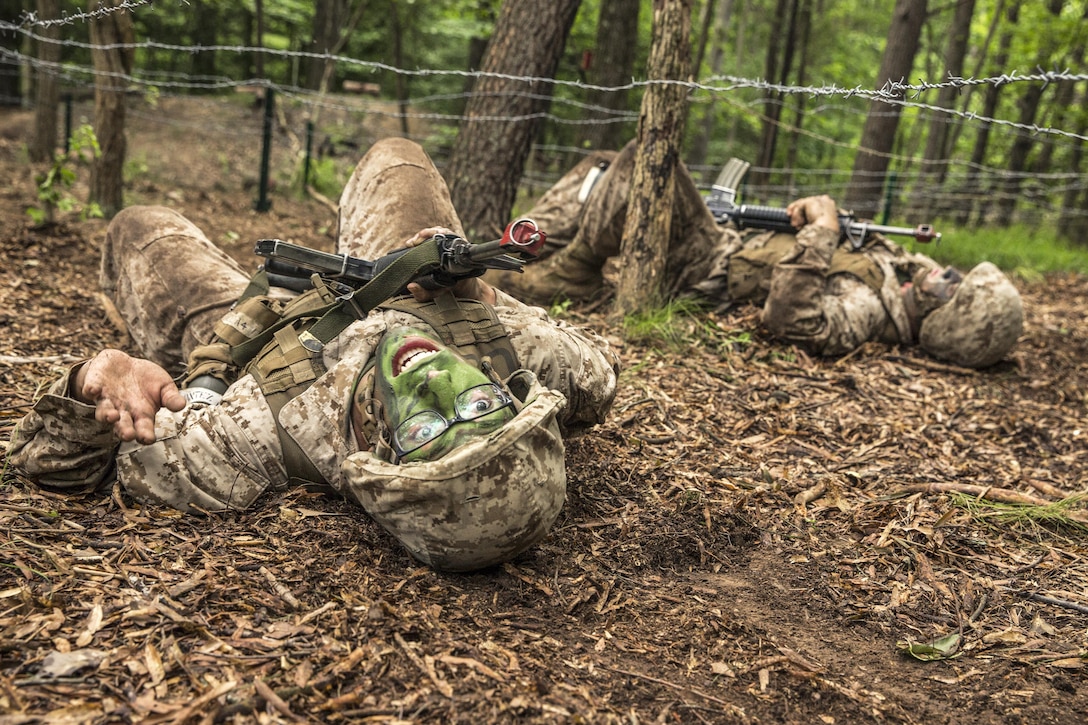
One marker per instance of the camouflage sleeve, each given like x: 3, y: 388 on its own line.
x: 576, y: 361
x: 822, y: 316
x: 209, y: 458
x: 59, y: 444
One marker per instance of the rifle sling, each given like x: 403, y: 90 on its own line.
x: 417, y: 262
x: 334, y: 317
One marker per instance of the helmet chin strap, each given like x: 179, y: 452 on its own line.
x: 383, y: 443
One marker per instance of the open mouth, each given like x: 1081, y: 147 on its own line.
x: 414, y: 351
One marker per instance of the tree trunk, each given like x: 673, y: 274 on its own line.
x: 501, y: 118
x: 772, y: 107
x: 935, y: 157
x: 10, y: 93
x: 1073, y: 220
x: 112, y: 66
x: 805, y: 23
x: 205, y: 33
x: 648, y: 226
x: 878, y: 136
x: 258, y: 61
x: 611, y: 66
x: 398, y: 61
x: 329, y: 18
x: 44, y: 143
x: 1017, y: 161
x: 973, y: 188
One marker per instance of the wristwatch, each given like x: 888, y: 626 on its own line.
x: 201, y: 396
x: 205, y: 390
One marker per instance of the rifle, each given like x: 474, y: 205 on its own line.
x: 293, y: 266
x: 722, y: 204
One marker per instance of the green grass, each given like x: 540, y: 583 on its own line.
x: 1066, y: 514
x: 679, y: 324
x: 1020, y: 250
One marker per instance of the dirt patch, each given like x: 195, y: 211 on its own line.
x: 752, y: 537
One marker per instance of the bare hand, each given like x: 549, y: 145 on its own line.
x: 472, y: 288
x: 819, y: 211
x: 127, y: 392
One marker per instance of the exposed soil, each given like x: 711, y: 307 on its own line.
x: 753, y: 536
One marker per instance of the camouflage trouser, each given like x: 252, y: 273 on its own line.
x: 171, y: 284
x: 696, y: 240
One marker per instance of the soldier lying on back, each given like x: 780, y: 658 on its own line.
x: 439, y: 412
x: 816, y: 291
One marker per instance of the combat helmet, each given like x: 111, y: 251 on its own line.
x: 482, y: 503
x: 980, y: 324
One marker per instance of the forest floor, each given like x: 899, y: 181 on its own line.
x: 753, y: 536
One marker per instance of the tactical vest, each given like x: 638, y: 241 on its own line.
x: 268, y: 339
x: 750, y: 269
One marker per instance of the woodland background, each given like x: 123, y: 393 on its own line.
x: 753, y: 536
x: 975, y: 112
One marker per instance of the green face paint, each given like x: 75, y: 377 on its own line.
x: 418, y: 379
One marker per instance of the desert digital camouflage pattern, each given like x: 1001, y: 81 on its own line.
x: 816, y: 291
x: 479, y: 505
x: 225, y: 456
x: 980, y: 324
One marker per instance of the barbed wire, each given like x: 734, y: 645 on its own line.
x: 715, y: 89
x: 30, y: 18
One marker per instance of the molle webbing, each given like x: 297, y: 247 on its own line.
x: 750, y: 269
x: 469, y: 326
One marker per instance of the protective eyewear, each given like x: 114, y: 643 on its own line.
x: 425, y: 426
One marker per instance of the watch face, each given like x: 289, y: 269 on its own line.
x: 201, y: 396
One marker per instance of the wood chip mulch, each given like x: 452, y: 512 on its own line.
x: 753, y: 536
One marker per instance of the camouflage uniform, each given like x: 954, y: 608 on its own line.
x: 172, y: 285
x: 815, y: 291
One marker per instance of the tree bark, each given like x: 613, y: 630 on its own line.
x: 44, y: 143
x: 1073, y: 219
x: 972, y: 188
x: 1017, y: 162
x: 502, y: 115
x: 878, y: 135
x: 701, y: 145
x: 775, y: 68
x: 612, y: 65
x: 112, y: 66
x: 205, y: 32
x: 648, y: 226
x: 329, y: 19
x: 935, y: 157
x: 10, y: 92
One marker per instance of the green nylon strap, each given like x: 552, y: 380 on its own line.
x: 417, y: 262
x: 258, y: 285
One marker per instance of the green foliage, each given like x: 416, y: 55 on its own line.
x: 1067, y: 514
x: 680, y: 324
x: 1019, y: 249
x: 54, y: 183
x: 326, y: 176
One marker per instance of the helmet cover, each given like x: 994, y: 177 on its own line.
x: 980, y: 324
x: 482, y: 503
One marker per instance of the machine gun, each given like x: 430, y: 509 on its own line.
x: 722, y: 204
x: 451, y: 259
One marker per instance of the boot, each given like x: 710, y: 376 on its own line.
x: 574, y: 273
